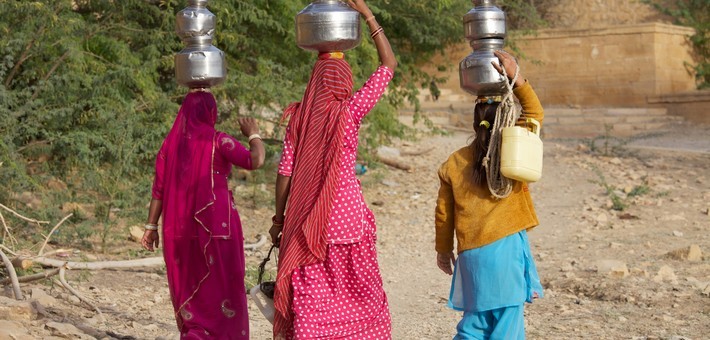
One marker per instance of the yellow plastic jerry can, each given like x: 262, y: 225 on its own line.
x: 521, y: 153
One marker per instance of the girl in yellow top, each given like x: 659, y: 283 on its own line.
x: 494, y: 274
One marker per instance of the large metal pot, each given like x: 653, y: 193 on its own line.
x: 477, y: 74
x: 328, y: 26
x: 200, y: 66
x: 196, y: 24
x: 484, y: 21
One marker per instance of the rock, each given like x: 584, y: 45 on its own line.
x: 136, y: 233
x: 14, y: 310
x: 43, y: 298
x: 612, y: 268
x: 677, y: 233
x: 615, y: 161
x: 65, y: 330
x: 602, y: 218
x: 389, y: 183
x: 665, y: 274
x: 388, y: 152
x: 691, y: 254
x: 13, y: 330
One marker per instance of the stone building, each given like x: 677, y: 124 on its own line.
x: 601, y: 64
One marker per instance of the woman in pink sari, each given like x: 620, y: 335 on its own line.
x: 328, y: 284
x: 202, y: 235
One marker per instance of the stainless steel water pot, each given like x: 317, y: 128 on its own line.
x: 328, y: 26
x: 199, y: 64
x: 484, y: 21
x: 477, y: 75
x: 196, y: 24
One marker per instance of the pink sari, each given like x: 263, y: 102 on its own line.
x: 202, y: 235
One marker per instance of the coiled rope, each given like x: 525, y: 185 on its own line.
x: 506, y: 116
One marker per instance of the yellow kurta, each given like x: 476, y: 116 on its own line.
x: 469, y: 211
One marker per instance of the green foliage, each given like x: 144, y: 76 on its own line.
x: 620, y: 201
x: 87, y: 90
x: 695, y: 14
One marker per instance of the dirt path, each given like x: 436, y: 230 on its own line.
x: 606, y: 273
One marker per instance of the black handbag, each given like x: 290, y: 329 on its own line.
x: 268, y: 287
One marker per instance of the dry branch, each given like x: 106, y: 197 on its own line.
x: 22, y: 217
x: 7, y: 234
x: 13, y: 276
x: 146, y: 262
x: 22, y: 263
x: 416, y: 153
x: 395, y: 163
x: 65, y: 284
x: 33, y: 277
x: 8, y: 250
x: 46, y: 239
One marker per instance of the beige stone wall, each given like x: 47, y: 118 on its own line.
x: 596, y: 13
x: 618, y: 66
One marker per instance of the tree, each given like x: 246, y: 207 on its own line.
x: 87, y: 88
x: 695, y: 14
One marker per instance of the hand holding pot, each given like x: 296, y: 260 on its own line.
x: 510, y: 65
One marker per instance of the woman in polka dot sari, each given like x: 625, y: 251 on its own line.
x: 328, y: 284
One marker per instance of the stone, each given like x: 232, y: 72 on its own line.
x: 691, y: 254
x: 13, y: 330
x: 13, y: 310
x: 389, y: 183
x: 136, y: 233
x: 665, y: 274
x: 615, y: 161
x: 677, y: 233
x: 43, y: 298
x: 65, y: 330
x: 612, y: 268
x: 602, y: 218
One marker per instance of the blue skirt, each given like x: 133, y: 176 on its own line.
x: 497, y: 275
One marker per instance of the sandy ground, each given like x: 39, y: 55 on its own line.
x: 632, y: 274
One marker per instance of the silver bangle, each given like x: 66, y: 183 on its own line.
x: 153, y: 227
x: 253, y: 137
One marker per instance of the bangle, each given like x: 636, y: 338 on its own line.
x: 151, y: 226
x: 377, y: 32
x: 253, y: 137
x: 277, y: 221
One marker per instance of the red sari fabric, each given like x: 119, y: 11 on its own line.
x: 202, y: 234
x: 317, y: 128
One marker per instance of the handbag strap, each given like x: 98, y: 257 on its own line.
x: 262, y: 266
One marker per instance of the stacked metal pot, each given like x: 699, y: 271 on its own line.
x: 485, y: 30
x: 199, y: 64
x: 328, y: 26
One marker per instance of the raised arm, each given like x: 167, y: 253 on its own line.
x: 532, y: 108
x: 384, y: 49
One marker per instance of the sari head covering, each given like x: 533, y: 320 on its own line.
x: 187, y: 192
x: 317, y: 129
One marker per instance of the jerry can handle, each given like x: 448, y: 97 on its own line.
x: 535, y: 123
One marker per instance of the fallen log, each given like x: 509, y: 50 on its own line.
x: 395, y: 163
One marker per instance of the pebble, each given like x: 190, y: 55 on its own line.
x: 666, y: 273
x: 612, y: 268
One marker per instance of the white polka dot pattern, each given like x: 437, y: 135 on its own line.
x: 350, y: 218
x: 341, y: 298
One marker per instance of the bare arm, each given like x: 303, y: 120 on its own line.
x: 283, y: 185
x: 256, y: 146
x: 151, y: 238
x: 384, y: 49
